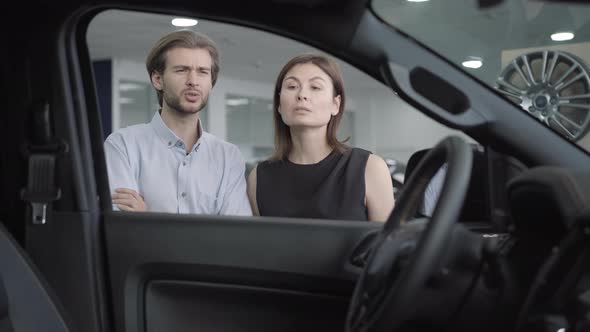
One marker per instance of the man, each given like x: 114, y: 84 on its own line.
x: 171, y: 164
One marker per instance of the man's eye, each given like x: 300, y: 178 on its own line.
x: 291, y: 87
x: 316, y: 88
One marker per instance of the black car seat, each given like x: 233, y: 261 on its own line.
x: 26, y: 303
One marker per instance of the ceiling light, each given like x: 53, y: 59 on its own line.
x: 126, y: 100
x: 237, y: 101
x: 561, y: 36
x: 472, y: 63
x: 184, y: 22
x: 131, y: 87
x: 417, y: 0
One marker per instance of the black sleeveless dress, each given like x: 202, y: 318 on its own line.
x: 333, y: 188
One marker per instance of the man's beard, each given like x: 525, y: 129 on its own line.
x: 174, y: 104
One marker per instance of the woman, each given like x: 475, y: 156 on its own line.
x: 312, y: 174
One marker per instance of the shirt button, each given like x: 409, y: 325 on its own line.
x: 184, y: 163
x: 169, y: 143
x: 183, y: 194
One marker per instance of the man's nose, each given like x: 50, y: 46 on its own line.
x: 192, y: 78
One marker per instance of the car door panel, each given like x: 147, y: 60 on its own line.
x: 217, y: 273
x: 185, y: 306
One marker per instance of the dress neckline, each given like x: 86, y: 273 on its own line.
x: 326, y: 158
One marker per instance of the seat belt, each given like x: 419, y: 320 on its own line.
x: 42, y: 153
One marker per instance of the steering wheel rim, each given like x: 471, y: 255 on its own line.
x: 396, y: 296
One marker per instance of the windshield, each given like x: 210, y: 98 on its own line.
x: 535, y: 53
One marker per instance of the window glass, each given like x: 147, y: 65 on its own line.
x: 136, y: 102
x: 250, y: 125
x: 535, y: 53
x: 239, y: 109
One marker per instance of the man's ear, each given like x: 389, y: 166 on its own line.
x: 156, y: 79
x: 337, y: 101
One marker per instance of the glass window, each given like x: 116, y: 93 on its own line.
x: 536, y: 53
x: 239, y: 108
x: 136, y: 102
x: 250, y: 125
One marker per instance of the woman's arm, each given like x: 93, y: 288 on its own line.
x: 252, y: 191
x: 378, y: 189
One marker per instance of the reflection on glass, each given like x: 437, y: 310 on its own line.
x: 136, y: 102
x: 250, y: 126
x: 533, y: 52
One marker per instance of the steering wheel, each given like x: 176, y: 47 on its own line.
x: 397, y: 269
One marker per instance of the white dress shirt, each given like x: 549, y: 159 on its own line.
x: 150, y: 159
x: 432, y: 192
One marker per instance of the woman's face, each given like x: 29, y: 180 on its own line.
x: 307, y: 97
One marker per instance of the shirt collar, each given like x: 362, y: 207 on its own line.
x: 168, y: 136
